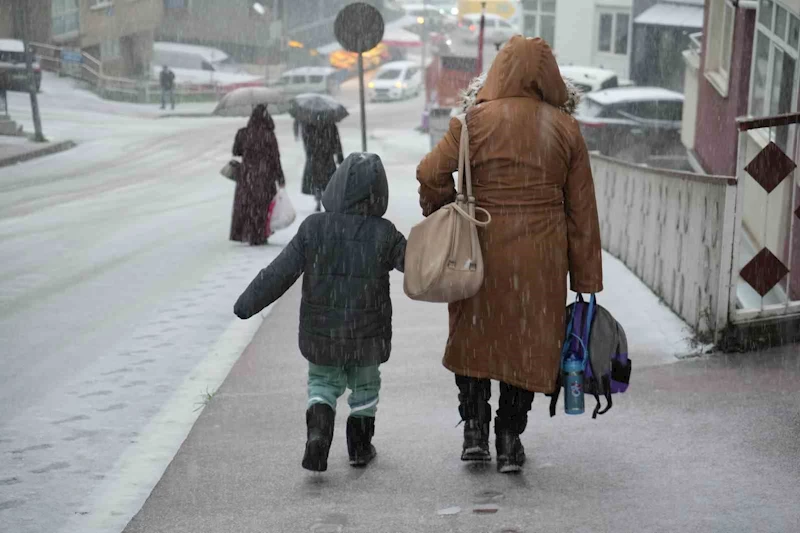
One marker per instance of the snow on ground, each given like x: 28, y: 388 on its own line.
x: 118, y: 282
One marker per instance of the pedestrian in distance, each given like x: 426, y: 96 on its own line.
x: 167, y: 79
x: 531, y: 172
x: 345, y: 255
x: 323, y: 148
x: 258, y: 180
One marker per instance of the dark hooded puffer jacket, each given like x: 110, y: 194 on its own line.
x: 346, y: 255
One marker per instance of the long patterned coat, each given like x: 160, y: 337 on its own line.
x: 261, y: 173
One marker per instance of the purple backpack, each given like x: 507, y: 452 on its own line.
x: 595, y: 337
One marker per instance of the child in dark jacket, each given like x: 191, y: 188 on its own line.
x: 345, y: 254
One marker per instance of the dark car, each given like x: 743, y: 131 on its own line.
x: 637, y: 124
x: 13, y: 73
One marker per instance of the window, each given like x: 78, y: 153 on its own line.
x: 65, y: 16
x: 410, y: 73
x: 389, y: 75
x: 722, y: 18
x: 109, y: 49
x: 774, y: 78
x: 298, y: 80
x: 612, y: 33
x: 540, y: 19
x: 315, y: 79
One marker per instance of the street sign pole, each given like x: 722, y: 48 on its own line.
x: 363, y: 106
x: 359, y: 28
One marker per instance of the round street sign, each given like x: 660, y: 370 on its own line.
x: 359, y: 27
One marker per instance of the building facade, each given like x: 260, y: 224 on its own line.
x: 661, y: 31
x: 747, y: 66
x: 594, y: 33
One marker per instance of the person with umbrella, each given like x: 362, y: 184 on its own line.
x: 258, y: 179
x: 315, y: 121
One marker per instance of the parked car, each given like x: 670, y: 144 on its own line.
x: 395, y: 81
x: 301, y: 80
x: 497, y: 31
x: 13, y: 71
x: 633, y: 123
x: 590, y: 79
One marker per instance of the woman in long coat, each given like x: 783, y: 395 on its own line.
x: 260, y: 175
x: 323, y: 150
x: 530, y: 169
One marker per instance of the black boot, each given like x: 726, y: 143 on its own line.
x: 475, y: 411
x: 319, y: 420
x: 476, y: 441
x: 510, y: 452
x: 360, y: 430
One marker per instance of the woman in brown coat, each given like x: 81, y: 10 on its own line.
x: 530, y: 170
x: 260, y: 175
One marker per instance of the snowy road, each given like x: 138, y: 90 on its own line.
x: 116, y: 287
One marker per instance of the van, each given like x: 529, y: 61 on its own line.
x: 199, y: 65
x: 13, y: 71
x: 323, y: 80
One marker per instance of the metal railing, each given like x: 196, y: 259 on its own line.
x: 765, y: 266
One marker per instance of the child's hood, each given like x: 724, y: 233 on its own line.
x: 358, y: 187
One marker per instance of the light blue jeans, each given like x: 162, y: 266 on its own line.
x: 327, y: 383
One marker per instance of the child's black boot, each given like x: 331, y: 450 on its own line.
x: 360, y: 430
x: 319, y: 419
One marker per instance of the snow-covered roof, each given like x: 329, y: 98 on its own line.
x: 11, y: 45
x: 633, y: 94
x: 592, y: 74
x: 212, y: 55
x: 676, y: 15
x: 400, y: 37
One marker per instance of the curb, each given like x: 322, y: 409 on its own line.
x: 33, y: 154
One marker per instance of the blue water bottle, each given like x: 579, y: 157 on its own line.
x: 573, y: 386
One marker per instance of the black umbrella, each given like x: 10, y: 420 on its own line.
x: 311, y: 108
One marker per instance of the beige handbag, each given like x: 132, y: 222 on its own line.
x: 443, y: 255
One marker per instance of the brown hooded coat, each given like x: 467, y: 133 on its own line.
x: 530, y: 169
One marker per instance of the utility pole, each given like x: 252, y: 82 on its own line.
x: 22, y: 10
x: 479, y: 65
x: 424, y: 70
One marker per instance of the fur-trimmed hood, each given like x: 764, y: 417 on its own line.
x: 525, y: 67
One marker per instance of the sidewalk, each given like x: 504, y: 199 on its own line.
x: 14, y: 150
x: 701, y: 445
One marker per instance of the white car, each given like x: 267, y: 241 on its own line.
x: 497, y: 30
x: 395, y: 81
x: 590, y: 79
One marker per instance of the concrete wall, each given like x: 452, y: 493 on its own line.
x: 668, y: 228
x: 38, y: 19
x: 716, y: 133
x: 232, y: 27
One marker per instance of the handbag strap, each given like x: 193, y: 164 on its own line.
x: 464, y: 187
x: 464, y: 184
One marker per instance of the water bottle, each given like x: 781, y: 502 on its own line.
x: 573, y: 386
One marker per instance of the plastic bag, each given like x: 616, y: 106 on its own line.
x: 281, y: 212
